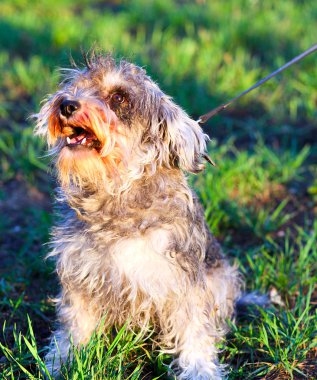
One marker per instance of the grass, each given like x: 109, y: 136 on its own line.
x: 260, y: 200
x: 116, y: 354
x: 279, y: 343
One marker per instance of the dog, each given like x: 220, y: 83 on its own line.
x: 132, y: 243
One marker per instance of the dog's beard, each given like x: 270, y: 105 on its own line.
x: 81, y: 168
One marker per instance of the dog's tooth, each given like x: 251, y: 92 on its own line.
x: 68, y: 140
x: 83, y: 141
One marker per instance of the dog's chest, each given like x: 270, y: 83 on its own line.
x: 141, y: 261
x: 145, y: 261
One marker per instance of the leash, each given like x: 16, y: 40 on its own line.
x: 202, y: 119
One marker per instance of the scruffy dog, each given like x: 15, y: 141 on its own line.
x: 132, y: 243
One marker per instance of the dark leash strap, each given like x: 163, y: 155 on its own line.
x: 202, y: 119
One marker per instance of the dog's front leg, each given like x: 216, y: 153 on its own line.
x: 77, y: 322
x: 195, y: 332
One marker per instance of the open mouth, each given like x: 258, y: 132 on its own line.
x: 82, y: 137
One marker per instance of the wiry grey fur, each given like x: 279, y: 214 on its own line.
x: 132, y: 242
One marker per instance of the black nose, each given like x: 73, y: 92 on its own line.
x: 68, y: 107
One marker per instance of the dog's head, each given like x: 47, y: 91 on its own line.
x: 110, y: 123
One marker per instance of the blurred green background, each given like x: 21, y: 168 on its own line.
x: 200, y: 52
x: 264, y: 191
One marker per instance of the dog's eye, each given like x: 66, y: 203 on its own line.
x: 118, y: 98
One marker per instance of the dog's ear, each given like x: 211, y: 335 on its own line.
x: 183, y: 140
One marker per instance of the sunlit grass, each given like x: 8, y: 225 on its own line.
x: 113, y: 354
x: 277, y: 340
x: 239, y: 193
